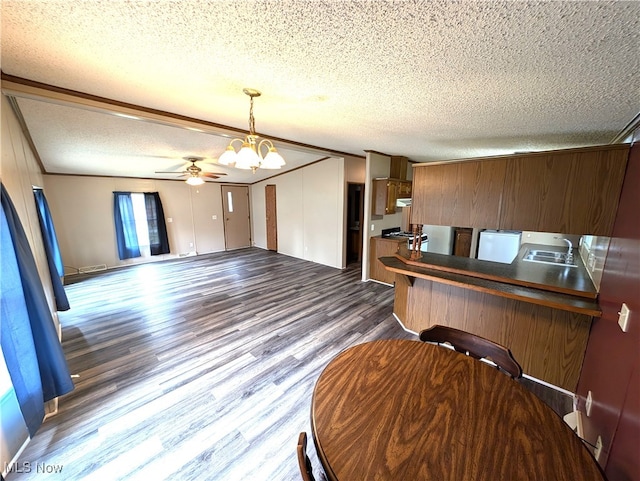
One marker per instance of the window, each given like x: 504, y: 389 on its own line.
x: 140, y: 227
x: 230, y: 201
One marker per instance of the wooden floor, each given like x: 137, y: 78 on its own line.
x: 201, y: 368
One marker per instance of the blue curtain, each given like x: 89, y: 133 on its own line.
x: 30, y: 345
x: 158, y: 238
x: 126, y: 236
x: 52, y: 250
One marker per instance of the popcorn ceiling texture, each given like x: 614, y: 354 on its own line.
x: 429, y: 80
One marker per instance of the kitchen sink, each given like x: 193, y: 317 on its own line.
x: 549, y: 257
x: 557, y: 255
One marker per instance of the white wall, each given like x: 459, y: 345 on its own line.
x: 355, y: 169
x: 82, y: 210
x: 310, y: 211
x: 377, y: 166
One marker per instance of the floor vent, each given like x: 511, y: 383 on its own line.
x: 87, y: 269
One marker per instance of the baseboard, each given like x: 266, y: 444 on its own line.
x: 402, y: 325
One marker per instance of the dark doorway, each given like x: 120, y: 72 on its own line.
x: 462, y: 241
x: 355, y: 214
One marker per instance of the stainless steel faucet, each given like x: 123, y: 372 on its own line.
x: 569, y: 258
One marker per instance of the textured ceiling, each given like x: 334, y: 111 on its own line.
x: 430, y: 80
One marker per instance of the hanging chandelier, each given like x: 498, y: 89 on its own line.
x: 250, y: 155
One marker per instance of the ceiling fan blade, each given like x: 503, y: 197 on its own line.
x: 171, y: 172
x: 209, y: 174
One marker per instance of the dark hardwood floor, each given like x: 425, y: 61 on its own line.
x: 201, y: 368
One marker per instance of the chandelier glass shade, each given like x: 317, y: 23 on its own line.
x: 253, y: 153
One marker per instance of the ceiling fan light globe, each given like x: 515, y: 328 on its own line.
x: 229, y: 156
x: 194, y: 181
x: 247, y: 158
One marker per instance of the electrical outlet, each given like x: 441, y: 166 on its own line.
x: 574, y: 421
x: 373, y: 227
x: 598, y: 450
x: 623, y: 317
x: 588, y: 404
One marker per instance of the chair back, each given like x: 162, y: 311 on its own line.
x: 303, y: 460
x: 475, y: 346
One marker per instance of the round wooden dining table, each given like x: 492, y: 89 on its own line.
x: 409, y: 410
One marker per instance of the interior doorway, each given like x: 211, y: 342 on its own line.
x: 462, y: 241
x: 237, y: 220
x: 355, y: 218
x: 271, y: 216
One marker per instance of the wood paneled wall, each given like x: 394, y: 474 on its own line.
x: 548, y: 343
x: 20, y: 172
x: 573, y: 191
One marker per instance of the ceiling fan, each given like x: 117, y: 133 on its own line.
x: 195, y: 174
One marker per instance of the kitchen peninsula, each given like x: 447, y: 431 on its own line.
x: 542, y: 312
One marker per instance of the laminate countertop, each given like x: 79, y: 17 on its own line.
x: 558, y: 286
x: 393, y: 238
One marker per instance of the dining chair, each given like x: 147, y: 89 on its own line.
x: 474, y: 346
x: 304, y: 462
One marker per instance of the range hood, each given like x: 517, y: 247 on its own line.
x: 403, y: 202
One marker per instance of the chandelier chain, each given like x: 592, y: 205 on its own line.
x: 252, y: 120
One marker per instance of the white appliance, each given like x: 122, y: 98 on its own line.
x: 424, y: 243
x: 499, y: 245
x: 440, y: 238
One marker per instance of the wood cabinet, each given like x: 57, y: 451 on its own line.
x: 572, y: 191
x: 464, y: 193
x: 404, y: 189
x: 382, y: 247
x: 385, y: 194
x: 398, y: 167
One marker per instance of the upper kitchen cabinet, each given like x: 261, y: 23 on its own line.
x: 398, y: 167
x: 460, y: 193
x: 573, y: 192
x: 386, y: 192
